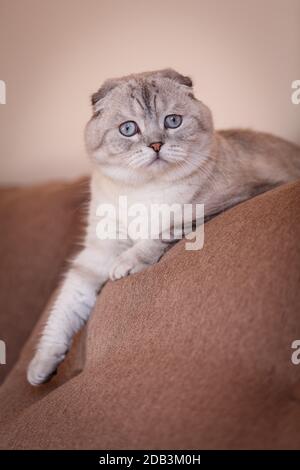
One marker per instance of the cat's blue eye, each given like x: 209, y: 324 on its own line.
x: 172, y: 121
x: 128, y: 128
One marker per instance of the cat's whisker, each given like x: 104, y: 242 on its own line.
x: 140, y: 163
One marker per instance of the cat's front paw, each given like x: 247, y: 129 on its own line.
x: 125, y: 265
x: 44, y: 364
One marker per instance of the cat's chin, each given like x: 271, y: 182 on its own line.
x: 127, y: 175
x: 157, y: 165
x: 151, y: 170
x: 159, y: 169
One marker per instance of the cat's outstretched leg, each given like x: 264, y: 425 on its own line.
x: 71, y: 310
x: 69, y: 313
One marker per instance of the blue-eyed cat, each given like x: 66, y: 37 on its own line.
x: 150, y: 139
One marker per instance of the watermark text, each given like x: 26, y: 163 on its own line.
x: 295, y: 97
x: 154, y: 221
x: 296, y: 354
x: 2, y: 92
x: 2, y: 352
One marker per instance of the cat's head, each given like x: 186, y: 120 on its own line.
x: 149, y: 126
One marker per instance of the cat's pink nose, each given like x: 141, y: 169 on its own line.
x: 156, y: 146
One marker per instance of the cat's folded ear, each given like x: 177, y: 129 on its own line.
x: 107, y: 86
x: 176, y: 76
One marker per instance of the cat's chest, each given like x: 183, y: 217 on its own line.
x: 145, y: 195
x: 150, y: 196
x: 125, y: 204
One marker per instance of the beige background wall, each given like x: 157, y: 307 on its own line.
x: 242, y: 55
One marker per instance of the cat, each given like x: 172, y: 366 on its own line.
x: 150, y: 139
